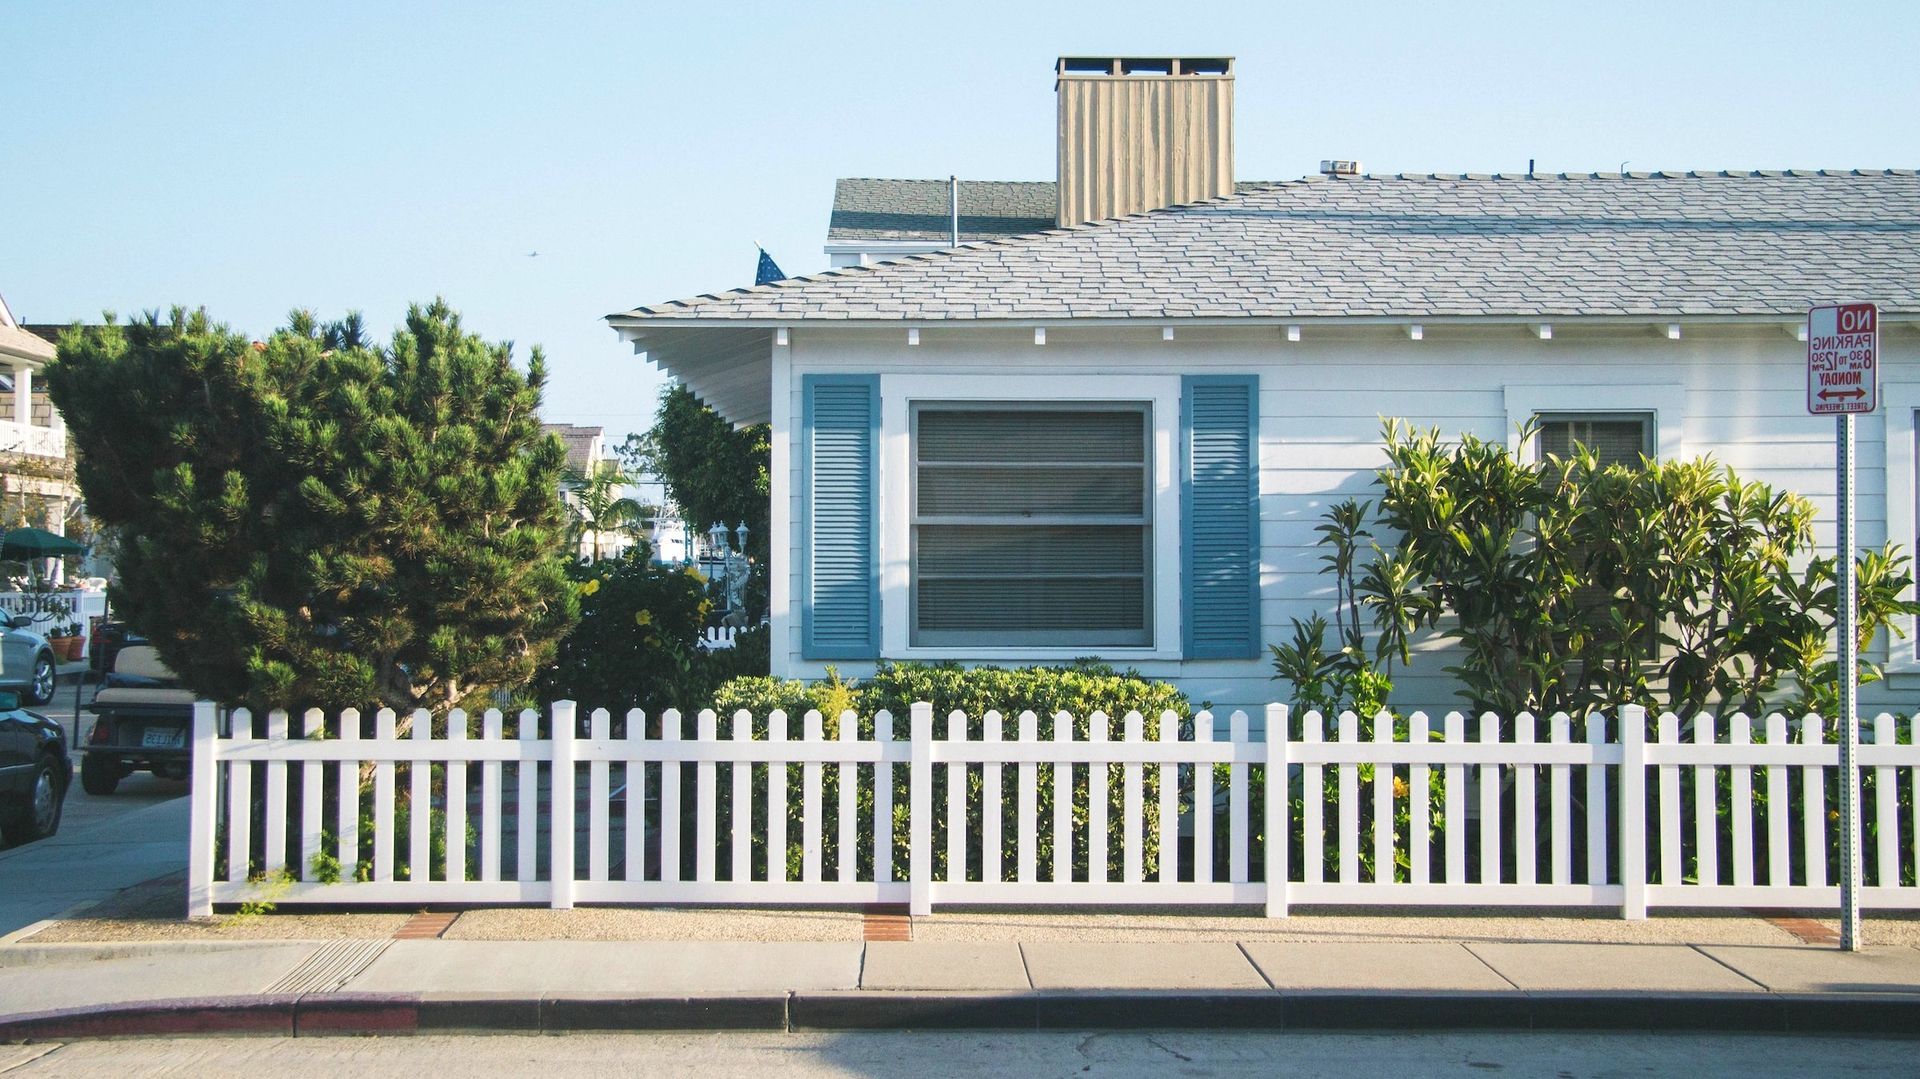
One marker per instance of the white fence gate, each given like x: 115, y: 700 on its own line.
x: 1576, y: 812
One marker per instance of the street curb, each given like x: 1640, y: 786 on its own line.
x: 335, y: 1014
x: 158, y: 1018
x: 664, y: 1013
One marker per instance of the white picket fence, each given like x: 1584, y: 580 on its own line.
x: 1561, y: 812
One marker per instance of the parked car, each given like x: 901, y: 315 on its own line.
x: 143, y: 717
x: 26, y: 661
x: 35, y: 772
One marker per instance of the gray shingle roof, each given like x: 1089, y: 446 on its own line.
x: 578, y: 441
x: 922, y: 210
x: 866, y: 209
x: 1410, y: 246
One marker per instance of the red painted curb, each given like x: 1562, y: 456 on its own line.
x: 356, y: 1013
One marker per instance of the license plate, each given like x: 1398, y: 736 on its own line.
x: 162, y: 738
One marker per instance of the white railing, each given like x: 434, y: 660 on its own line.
x: 1578, y: 812
x: 50, y: 610
x: 32, y: 439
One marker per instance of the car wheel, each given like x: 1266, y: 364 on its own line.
x: 40, y: 691
x: 40, y: 817
x: 99, y: 776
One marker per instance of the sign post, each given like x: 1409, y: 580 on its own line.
x: 1843, y: 380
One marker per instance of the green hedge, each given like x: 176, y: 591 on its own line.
x: 1079, y: 689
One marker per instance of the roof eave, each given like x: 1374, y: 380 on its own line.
x: 638, y: 321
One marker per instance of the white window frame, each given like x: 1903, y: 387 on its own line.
x: 1900, y: 400
x: 1665, y: 402
x: 898, y: 394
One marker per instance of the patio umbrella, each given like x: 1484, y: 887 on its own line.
x: 23, y: 544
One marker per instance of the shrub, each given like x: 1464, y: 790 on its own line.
x: 748, y: 657
x: 635, y: 645
x: 1079, y: 689
x: 1569, y: 585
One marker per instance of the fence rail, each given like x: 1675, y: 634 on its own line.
x: 1599, y: 811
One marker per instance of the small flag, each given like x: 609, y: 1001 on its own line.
x: 768, y: 272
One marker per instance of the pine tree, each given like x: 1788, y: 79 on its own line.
x: 315, y: 521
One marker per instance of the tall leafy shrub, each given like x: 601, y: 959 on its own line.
x: 1572, y: 586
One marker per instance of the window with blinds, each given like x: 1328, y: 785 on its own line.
x: 1615, y: 438
x: 1031, y: 526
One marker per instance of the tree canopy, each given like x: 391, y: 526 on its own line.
x: 316, y: 521
x: 712, y: 471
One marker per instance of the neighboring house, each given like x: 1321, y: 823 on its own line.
x: 586, y: 455
x: 1116, y: 437
x: 36, y: 464
x: 586, y: 446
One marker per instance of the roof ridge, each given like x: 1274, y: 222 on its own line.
x: 975, y: 261
x: 1632, y: 174
x: 933, y: 180
x: 964, y: 248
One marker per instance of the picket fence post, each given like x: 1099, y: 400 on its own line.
x: 204, y: 793
x: 1275, y: 801
x: 920, y: 811
x: 561, y: 811
x: 1633, y: 812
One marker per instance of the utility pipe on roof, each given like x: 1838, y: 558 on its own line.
x: 953, y: 202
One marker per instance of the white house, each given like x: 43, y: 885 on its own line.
x: 1115, y: 437
x: 36, y: 469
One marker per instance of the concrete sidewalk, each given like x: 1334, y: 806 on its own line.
x: 345, y: 986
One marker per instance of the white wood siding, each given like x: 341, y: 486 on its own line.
x: 1321, y: 400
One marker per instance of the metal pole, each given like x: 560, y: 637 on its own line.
x: 1844, y: 603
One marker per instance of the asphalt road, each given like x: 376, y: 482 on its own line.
x: 1115, y: 1053
x: 104, y: 844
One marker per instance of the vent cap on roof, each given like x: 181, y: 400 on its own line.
x: 1339, y: 168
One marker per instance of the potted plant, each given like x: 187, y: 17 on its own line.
x: 58, y: 611
x: 76, y: 641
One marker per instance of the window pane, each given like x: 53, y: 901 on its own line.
x: 951, y: 490
x: 981, y: 578
x: 1033, y: 435
x: 1614, y: 441
x: 1094, y: 610
x: 1009, y: 551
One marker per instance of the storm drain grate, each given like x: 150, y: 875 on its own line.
x: 331, y: 967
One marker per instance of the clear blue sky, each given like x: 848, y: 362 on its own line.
x: 252, y: 157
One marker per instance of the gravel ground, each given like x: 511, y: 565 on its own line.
x: 152, y: 911
x: 637, y: 923
x: 1390, y: 924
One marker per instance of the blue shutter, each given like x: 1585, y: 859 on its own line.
x: 839, y: 554
x: 1220, y: 515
